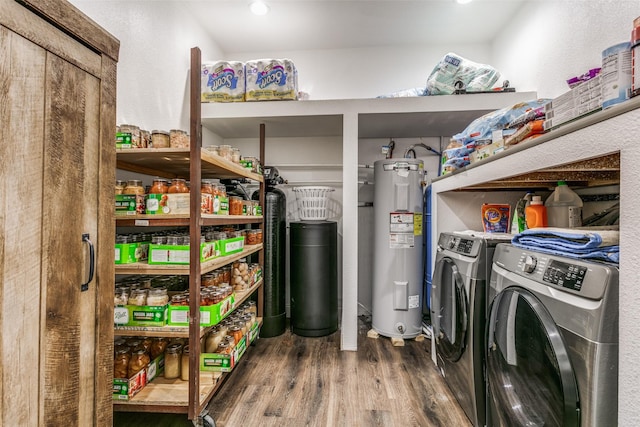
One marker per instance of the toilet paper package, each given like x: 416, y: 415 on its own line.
x: 271, y: 79
x: 222, y: 81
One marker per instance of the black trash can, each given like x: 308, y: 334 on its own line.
x: 313, y: 276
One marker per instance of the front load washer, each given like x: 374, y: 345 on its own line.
x: 458, y: 313
x: 552, y: 341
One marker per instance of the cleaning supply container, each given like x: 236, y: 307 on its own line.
x: 536, y: 213
x: 564, y: 207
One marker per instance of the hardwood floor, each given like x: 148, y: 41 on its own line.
x: 291, y: 381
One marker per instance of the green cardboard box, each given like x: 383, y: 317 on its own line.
x: 128, y: 253
x: 126, y: 204
x: 140, y: 315
x: 126, y: 388
x: 179, y: 254
x: 210, y: 315
x: 231, y: 246
x: 123, y: 140
x: 226, y: 362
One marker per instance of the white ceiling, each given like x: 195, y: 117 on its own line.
x: 343, y: 24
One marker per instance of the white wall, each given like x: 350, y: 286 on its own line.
x: 552, y: 40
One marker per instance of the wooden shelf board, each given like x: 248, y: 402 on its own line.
x: 178, y: 331
x: 183, y: 270
x: 183, y: 220
x: 157, y: 162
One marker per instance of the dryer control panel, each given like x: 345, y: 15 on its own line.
x: 459, y: 244
x: 563, y: 274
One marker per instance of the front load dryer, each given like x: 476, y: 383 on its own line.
x: 552, y: 342
x: 458, y: 313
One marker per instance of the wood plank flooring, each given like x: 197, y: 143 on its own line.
x: 291, y: 381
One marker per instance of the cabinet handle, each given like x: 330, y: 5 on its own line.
x: 92, y: 263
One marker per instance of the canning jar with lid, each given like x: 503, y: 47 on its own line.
x: 120, y: 184
x: 159, y: 186
x: 252, y: 237
x: 184, y: 370
x: 134, y: 186
x: 251, y: 307
x: 178, y: 138
x: 235, y: 155
x: 121, y: 296
x: 223, y: 348
x: 172, y: 356
x: 160, y: 139
x: 157, y: 297
x: 121, y: 362
x: 206, y: 197
x: 138, y: 297
x: 235, y: 205
x: 236, y: 332
x: 213, y: 339
x: 179, y: 299
x: 178, y: 185
x: 225, y: 152
x: 213, y: 149
x: 158, y: 346
x: 139, y: 359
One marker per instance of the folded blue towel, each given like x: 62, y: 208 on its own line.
x: 572, y: 243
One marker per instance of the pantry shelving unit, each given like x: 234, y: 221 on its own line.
x: 194, y: 164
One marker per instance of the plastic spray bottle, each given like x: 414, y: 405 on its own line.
x: 536, y: 213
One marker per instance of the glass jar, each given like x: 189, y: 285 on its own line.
x: 174, y: 240
x: 145, y: 138
x: 134, y: 186
x: 139, y: 359
x: 259, y: 231
x: 178, y: 138
x: 223, y: 348
x: 178, y: 185
x: 157, y: 297
x: 121, y: 362
x: 235, y: 155
x: 213, y: 149
x: 229, y: 339
x: 184, y: 370
x: 158, y: 346
x: 120, y: 184
x: 208, y: 280
x: 172, y: 356
x: 206, y: 197
x: 235, y: 205
x: 134, y: 131
x: 160, y: 139
x: 180, y: 299
x: 248, y: 321
x: 121, y: 296
x: 225, y: 152
x: 252, y: 308
x: 138, y: 297
x: 159, y: 186
x: 252, y: 237
x: 213, y: 339
x: 236, y: 332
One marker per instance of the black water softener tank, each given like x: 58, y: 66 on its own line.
x: 313, y: 277
x: 275, y: 246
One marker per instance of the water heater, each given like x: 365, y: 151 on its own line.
x: 398, y: 234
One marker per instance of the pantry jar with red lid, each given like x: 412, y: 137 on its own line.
x: 178, y: 185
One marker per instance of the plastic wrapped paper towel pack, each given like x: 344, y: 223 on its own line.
x: 271, y: 79
x: 453, y: 68
x: 222, y: 81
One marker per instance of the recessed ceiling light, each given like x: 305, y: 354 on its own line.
x: 259, y: 7
x: 463, y: 1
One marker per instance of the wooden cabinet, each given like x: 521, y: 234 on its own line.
x: 57, y: 158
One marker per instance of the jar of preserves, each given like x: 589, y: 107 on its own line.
x: 216, y: 296
x: 259, y: 231
x: 206, y: 197
x: 225, y: 152
x: 121, y: 362
x: 184, y: 369
x: 208, y: 280
x: 178, y: 138
x: 145, y: 343
x: 235, y: 205
x: 242, y: 325
x: 157, y: 297
x: 229, y: 339
x: 160, y: 139
x: 213, y: 339
x: 178, y: 185
x: 145, y: 138
x: 223, y: 348
x: 252, y: 237
x: 252, y: 308
x: 248, y: 321
x: 120, y: 184
x: 121, y: 296
x: 134, y: 186
x: 158, y: 346
x: 235, y: 155
x: 159, y: 186
x: 139, y: 359
x: 236, y: 332
x: 138, y: 297
x: 213, y: 149
x: 172, y: 362
x: 180, y: 299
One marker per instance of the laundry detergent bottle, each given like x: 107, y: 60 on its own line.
x: 564, y: 207
x: 536, y: 213
x: 519, y: 222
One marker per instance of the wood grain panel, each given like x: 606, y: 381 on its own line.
x: 67, y: 17
x: 22, y: 84
x: 22, y: 21
x: 64, y: 254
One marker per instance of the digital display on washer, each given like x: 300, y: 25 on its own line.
x: 465, y: 245
x: 564, y: 274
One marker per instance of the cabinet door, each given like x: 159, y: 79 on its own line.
x: 49, y: 190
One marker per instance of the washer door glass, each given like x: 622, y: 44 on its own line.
x: 530, y: 377
x: 449, y: 301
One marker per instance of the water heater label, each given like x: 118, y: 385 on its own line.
x: 417, y: 224
x: 401, y: 240
x: 414, y: 301
x: 401, y: 222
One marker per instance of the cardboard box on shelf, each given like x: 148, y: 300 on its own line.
x: 167, y: 204
x: 231, y: 246
x: 129, y: 204
x: 179, y: 254
x: 128, y: 253
x: 140, y: 315
x: 126, y: 388
x: 226, y: 362
x: 178, y: 315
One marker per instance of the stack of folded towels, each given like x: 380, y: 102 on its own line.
x: 570, y: 242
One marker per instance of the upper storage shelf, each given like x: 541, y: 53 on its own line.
x: 422, y: 116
